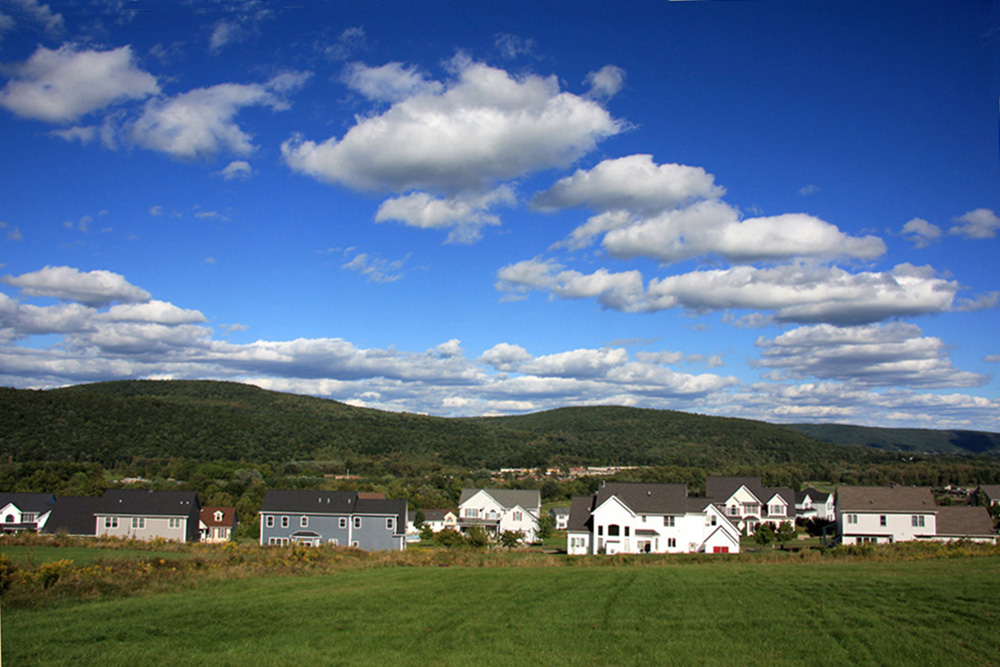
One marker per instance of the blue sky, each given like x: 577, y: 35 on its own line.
x: 773, y: 210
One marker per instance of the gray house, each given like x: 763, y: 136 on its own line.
x: 145, y: 514
x: 339, y: 518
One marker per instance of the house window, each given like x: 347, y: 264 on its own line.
x: 110, y: 522
x: 751, y: 508
x: 517, y: 516
x: 280, y: 541
x: 138, y: 522
x: 343, y: 522
x: 734, y: 510
x: 613, y: 530
x: 174, y: 522
x: 668, y: 521
x: 390, y: 524
x: 218, y: 516
x: 600, y: 530
x: 713, y: 520
x: 357, y: 522
x: 881, y: 520
x: 355, y: 544
x: 284, y: 522
x: 671, y: 542
x: 332, y: 541
x: 269, y: 521
x: 626, y: 531
x: 470, y: 513
x: 918, y: 520
x: 778, y: 510
x: 852, y: 518
x: 28, y: 517
x: 304, y: 522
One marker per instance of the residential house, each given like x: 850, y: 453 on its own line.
x: 885, y: 514
x: 340, y: 518
x: 561, y: 517
x: 436, y: 520
x: 500, y: 510
x: 747, y: 503
x: 992, y: 493
x: 146, y: 514
x: 813, y: 504
x: 217, y: 524
x: 648, y: 518
x: 25, y: 511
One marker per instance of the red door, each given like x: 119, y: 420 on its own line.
x: 720, y: 550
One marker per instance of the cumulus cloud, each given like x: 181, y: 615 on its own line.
x: 201, y: 123
x: 605, y: 82
x: 40, y: 14
x: 888, y: 355
x: 804, y: 293
x: 237, y: 170
x: 920, y: 232
x: 390, y: 82
x: 482, y: 127
x: 93, y: 288
x: 981, y: 223
x: 465, y: 215
x: 62, y: 85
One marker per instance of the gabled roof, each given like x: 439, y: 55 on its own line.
x: 435, y: 515
x: 646, y: 498
x: 579, y: 513
x: 559, y: 511
x: 992, y: 491
x: 721, y: 488
x: 309, y: 502
x: 74, y: 515
x: 228, y: 516
x: 38, y: 503
x: 885, y: 499
x: 508, y: 498
x: 959, y: 521
x: 149, y: 502
x: 814, y: 495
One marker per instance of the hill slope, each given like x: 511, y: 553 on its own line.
x: 120, y: 421
x: 905, y: 439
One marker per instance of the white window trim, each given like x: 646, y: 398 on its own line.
x: 269, y: 521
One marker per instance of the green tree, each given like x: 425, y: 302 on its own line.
x: 511, y: 538
x: 764, y: 534
x: 426, y: 534
x: 418, y: 519
x: 546, y: 526
x: 477, y: 537
x: 785, y: 533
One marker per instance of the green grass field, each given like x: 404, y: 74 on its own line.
x: 926, y: 612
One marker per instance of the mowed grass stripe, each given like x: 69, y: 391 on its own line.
x: 916, y: 612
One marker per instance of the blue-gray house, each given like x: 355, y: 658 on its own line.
x: 344, y: 518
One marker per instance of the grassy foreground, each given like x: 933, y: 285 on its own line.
x: 936, y: 611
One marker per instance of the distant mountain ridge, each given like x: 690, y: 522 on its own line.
x: 125, y: 420
x: 912, y: 440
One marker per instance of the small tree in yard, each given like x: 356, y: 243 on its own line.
x: 511, y: 538
x: 785, y: 533
x: 546, y: 526
x: 418, y: 519
x: 477, y: 537
x: 426, y: 533
x: 764, y: 534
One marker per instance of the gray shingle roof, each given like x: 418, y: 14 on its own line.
x: 149, y: 503
x: 74, y: 515
x: 28, y: 502
x: 959, y: 521
x: 886, y: 499
x: 647, y: 498
x: 579, y: 513
x: 812, y: 494
x: 992, y: 491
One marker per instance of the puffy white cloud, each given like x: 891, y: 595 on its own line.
x: 714, y: 228
x: 920, y: 232
x: 390, y: 82
x: 93, y: 288
x: 633, y: 183
x: 237, y: 170
x: 803, y: 293
x: 465, y: 215
x: 889, y: 355
x: 154, y: 312
x: 606, y: 82
x: 63, y: 85
x: 505, y: 357
x: 485, y: 126
x: 200, y: 123
x: 981, y: 223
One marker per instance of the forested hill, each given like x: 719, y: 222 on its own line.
x: 116, y: 422
x: 913, y: 440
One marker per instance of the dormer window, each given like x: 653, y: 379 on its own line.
x: 218, y: 515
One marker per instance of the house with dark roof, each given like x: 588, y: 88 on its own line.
x: 25, y: 511
x: 74, y: 515
x: 217, y: 524
x: 648, y: 518
x: 887, y: 514
x: 338, y: 518
x: 500, y: 510
x: 992, y: 493
x: 748, y: 503
x: 143, y: 514
x: 812, y: 504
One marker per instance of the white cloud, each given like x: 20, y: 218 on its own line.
x: 41, y: 14
x: 390, y: 82
x: 377, y: 269
x: 512, y: 46
x: 920, y: 232
x: 802, y: 293
x: 94, y: 288
x: 349, y: 42
x: 63, y: 85
x: 605, y: 82
x: 505, y: 357
x: 82, y: 134
x: 981, y: 223
x: 888, y: 355
x: 465, y: 215
x: 200, y: 123
x: 485, y: 126
x: 633, y: 183
x: 153, y: 312
x: 238, y: 170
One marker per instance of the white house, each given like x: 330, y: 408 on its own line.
x: 560, y: 515
x: 648, y: 518
x: 885, y: 514
x: 25, y: 511
x: 748, y: 504
x: 500, y: 510
x: 813, y: 504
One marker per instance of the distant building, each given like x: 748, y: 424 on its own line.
x: 145, y: 514
x: 217, y: 524
x: 561, y: 517
x: 747, y: 503
x: 25, y: 511
x: 813, y: 504
x: 500, y: 510
x: 339, y: 518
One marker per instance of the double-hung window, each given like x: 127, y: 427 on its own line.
x: 343, y: 522
x: 304, y: 522
x: 284, y: 522
x: 269, y: 521
x: 138, y: 522
x: 918, y: 520
x: 357, y: 522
